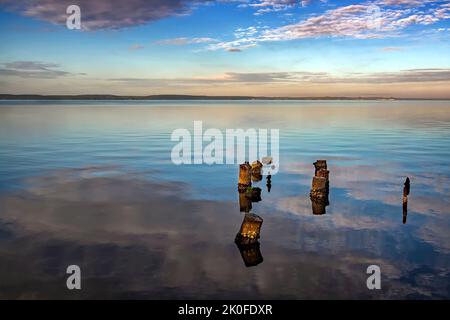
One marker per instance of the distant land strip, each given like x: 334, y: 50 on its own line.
x: 186, y: 97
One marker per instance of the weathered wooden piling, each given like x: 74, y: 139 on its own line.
x: 324, y: 173
x: 250, y: 229
x: 319, y: 184
x: 257, y: 171
x: 245, y: 177
x: 320, y: 188
x: 320, y: 164
x: 249, y: 232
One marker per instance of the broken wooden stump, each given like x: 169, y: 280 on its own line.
x: 320, y: 164
x: 324, y: 173
x: 256, y: 177
x: 319, y: 184
x: 250, y: 229
x: 320, y: 188
x: 245, y: 177
x: 247, y: 240
x: 249, y: 233
x: 257, y: 171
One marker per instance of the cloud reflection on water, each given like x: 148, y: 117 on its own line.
x: 145, y: 239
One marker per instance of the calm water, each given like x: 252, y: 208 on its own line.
x: 92, y: 184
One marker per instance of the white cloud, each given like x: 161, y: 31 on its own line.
x: 361, y: 21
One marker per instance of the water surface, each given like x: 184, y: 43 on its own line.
x: 92, y: 184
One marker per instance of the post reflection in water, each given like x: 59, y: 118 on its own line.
x: 247, y: 197
x: 77, y: 188
x: 320, y: 188
x: 247, y: 239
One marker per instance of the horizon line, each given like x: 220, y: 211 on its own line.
x: 105, y: 97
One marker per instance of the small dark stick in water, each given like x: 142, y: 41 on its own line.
x: 269, y: 183
x: 406, y: 189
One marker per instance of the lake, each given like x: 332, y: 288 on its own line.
x: 92, y: 184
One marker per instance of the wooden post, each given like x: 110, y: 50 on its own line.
x: 320, y: 164
x: 245, y: 177
x: 324, y: 173
x: 247, y: 240
x: 257, y: 171
x: 320, y: 188
x: 249, y: 233
x: 319, y: 184
x: 250, y: 229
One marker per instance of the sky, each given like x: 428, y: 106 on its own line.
x: 374, y: 48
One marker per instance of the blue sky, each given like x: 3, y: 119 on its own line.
x: 229, y: 47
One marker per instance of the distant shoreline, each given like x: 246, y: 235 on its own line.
x: 101, y: 97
